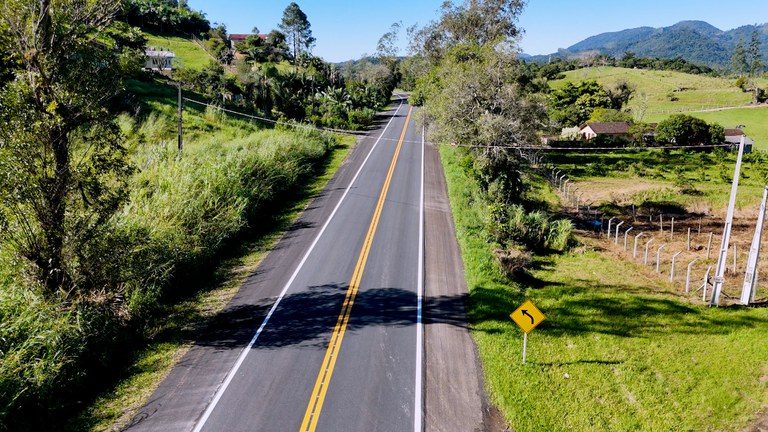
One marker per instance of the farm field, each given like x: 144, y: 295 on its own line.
x: 620, y: 350
x: 695, y: 92
x: 755, y: 120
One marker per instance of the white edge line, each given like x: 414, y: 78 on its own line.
x: 417, y: 423
x: 212, y: 405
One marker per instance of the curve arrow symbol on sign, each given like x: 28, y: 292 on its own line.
x: 525, y: 312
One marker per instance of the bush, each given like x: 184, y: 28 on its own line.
x: 511, y: 225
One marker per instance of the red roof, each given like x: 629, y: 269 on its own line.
x: 608, y: 128
x: 734, y: 132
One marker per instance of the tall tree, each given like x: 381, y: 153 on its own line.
x: 297, y: 29
x: 62, y: 166
x: 739, y: 59
x: 755, y: 57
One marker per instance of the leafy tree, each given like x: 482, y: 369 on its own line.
x: 739, y: 59
x: 165, y: 16
x: 297, y: 29
x: 756, y: 65
x: 573, y: 104
x: 62, y: 166
x: 610, y: 115
x: 684, y: 130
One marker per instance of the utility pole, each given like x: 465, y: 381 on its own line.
x: 717, y: 287
x: 181, y: 113
x: 750, y: 275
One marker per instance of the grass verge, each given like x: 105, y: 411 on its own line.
x: 619, y: 351
x: 113, y: 410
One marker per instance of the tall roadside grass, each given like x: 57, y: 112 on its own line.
x: 183, y: 212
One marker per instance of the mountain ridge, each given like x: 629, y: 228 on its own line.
x: 695, y: 41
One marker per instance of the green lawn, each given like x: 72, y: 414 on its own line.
x: 619, y: 352
x: 755, y: 120
x: 188, y: 53
x: 695, y: 92
x: 692, y: 179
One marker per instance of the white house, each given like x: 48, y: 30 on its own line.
x: 158, y: 59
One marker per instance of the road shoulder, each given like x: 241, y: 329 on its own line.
x: 454, y: 396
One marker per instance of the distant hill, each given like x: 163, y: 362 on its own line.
x: 695, y: 41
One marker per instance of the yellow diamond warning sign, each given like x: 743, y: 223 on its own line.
x: 527, y: 316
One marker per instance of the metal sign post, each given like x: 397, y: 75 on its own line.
x: 750, y: 275
x: 721, y: 258
x: 527, y: 317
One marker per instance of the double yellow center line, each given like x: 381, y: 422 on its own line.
x: 315, y: 405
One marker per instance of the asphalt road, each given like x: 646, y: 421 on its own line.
x: 335, y: 307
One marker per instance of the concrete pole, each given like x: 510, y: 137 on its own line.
x: 658, y: 258
x: 565, y: 188
x: 688, y: 276
x: 706, y: 284
x: 750, y: 275
x: 721, y: 258
x: 610, y: 222
x: 616, y: 241
x: 672, y: 271
x: 709, y: 245
x: 689, y: 239
x: 634, y: 249
x: 645, y: 257
x: 672, y: 230
x: 626, y: 234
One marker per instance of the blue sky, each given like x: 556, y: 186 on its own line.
x: 347, y: 28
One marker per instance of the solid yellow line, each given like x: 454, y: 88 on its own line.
x: 315, y: 405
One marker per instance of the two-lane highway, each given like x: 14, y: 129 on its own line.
x: 335, y: 333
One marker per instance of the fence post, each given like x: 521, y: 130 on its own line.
x: 645, y: 257
x: 658, y: 258
x: 610, y: 223
x: 706, y: 283
x: 709, y: 244
x: 617, y: 232
x: 634, y: 249
x: 735, y: 255
x: 661, y: 224
x: 672, y: 230
x: 626, y: 234
x: 688, y: 276
x: 672, y: 271
x: 689, y: 239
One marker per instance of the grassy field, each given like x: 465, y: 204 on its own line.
x: 188, y: 53
x: 755, y: 120
x: 697, y: 181
x: 115, y: 407
x: 695, y: 92
x: 618, y: 352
